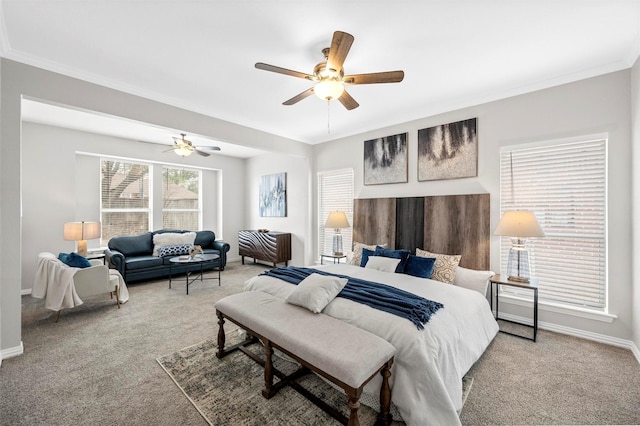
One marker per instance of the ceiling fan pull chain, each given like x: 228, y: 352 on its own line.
x: 328, y: 117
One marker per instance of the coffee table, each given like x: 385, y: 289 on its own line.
x: 199, y: 261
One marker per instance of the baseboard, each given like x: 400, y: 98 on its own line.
x: 635, y: 351
x: 25, y: 292
x: 588, y: 335
x: 11, y: 352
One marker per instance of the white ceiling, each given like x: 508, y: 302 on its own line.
x: 200, y: 55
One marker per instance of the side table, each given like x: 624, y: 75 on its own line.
x: 336, y: 257
x: 499, y: 280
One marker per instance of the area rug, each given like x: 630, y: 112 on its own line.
x: 228, y: 391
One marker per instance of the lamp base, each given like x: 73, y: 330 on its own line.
x: 337, y: 244
x: 518, y: 263
x: 82, y: 248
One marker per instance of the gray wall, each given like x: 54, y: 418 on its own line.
x: 299, y: 210
x: 635, y: 184
x: 595, y: 105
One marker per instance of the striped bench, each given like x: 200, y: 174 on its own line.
x: 340, y: 352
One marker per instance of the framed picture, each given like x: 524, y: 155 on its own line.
x: 273, y: 195
x: 448, y: 151
x: 385, y: 160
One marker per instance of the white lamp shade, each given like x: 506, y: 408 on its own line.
x: 79, y: 231
x: 337, y: 220
x: 519, y: 223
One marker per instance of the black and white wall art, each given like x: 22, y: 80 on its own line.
x: 448, y: 151
x: 273, y: 195
x: 385, y: 160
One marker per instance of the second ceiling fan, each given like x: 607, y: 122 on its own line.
x: 329, y: 75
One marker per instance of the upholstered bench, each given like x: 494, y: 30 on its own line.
x: 340, y: 352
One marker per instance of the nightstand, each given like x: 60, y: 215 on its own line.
x: 336, y: 258
x: 499, y: 280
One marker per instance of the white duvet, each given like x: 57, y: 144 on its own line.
x: 429, y: 364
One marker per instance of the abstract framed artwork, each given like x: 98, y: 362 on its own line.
x: 448, y: 151
x: 273, y: 195
x: 385, y: 160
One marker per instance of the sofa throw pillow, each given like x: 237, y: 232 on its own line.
x: 401, y: 254
x: 172, y: 239
x: 316, y: 291
x: 356, y: 259
x: 473, y: 279
x: 444, y: 269
x: 381, y: 263
x: 419, y: 266
x: 175, y: 250
x: 74, y: 260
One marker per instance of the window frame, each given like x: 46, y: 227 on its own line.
x: 346, y: 206
x: 198, y: 209
x: 508, y: 203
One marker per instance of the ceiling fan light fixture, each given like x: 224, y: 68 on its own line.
x: 328, y: 89
x: 183, y: 150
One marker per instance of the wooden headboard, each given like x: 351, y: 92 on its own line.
x: 448, y: 224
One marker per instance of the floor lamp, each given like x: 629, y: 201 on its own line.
x: 81, y: 232
x: 337, y: 220
x: 519, y: 225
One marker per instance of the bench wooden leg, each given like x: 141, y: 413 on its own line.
x: 384, y: 417
x: 221, y: 336
x: 354, y: 404
x: 268, y: 390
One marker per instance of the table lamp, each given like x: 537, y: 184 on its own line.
x: 81, y: 232
x: 337, y: 220
x: 519, y: 225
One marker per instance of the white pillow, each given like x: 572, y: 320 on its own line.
x: 316, y: 291
x: 172, y: 239
x: 472, y: 279
x: 381, y: 263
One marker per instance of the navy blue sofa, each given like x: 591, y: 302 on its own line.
x: 132, y: 255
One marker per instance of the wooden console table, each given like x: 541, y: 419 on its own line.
x: 273, y: 247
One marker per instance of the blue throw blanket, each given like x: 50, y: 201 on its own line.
x: 389, y: 299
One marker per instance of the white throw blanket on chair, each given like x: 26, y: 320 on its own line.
x: 54, y: 283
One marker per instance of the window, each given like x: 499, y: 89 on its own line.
x: 335, y: 192
x: 564, y: 184
x: 181, y: 198
x: 125, y: 198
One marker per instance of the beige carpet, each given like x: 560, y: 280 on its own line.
x: 228, y: 391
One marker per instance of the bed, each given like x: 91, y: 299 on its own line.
x: 429, y: 366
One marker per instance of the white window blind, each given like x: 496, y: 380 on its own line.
x: 181, y: 205
x: 564, y: 184
x: 125, y: 198
x: 335, y: 192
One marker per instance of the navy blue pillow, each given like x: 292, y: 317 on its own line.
x: 401, y: 254
x: 365, y: 256
x: 419, y: 266
x: 74, y: 260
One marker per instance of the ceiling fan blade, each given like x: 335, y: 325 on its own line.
x: 347, y: 101
x: 340, y: 45
x: 204, y: 154
x: 297, y: 98
x: 209, y: 148
x: 280, y: 70
x: 170, y: 149
x: 374, y: 77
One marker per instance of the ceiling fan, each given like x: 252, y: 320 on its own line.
x: 329, y: 75
x: 185, y: 148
